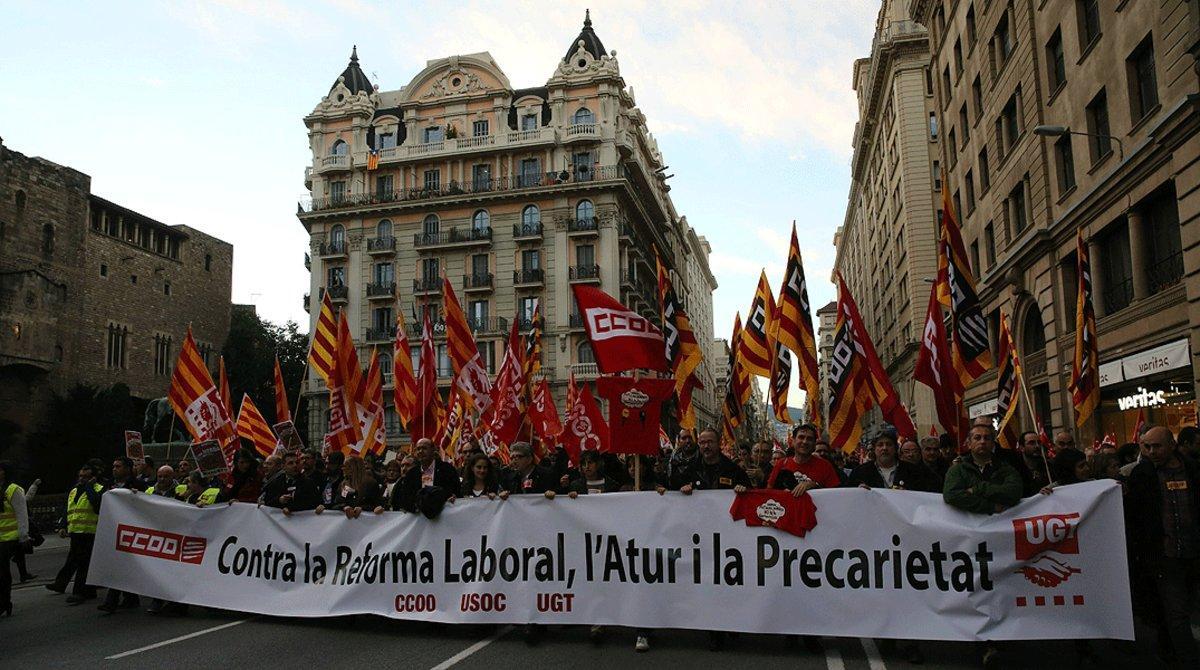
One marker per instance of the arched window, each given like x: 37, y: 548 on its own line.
x: 48, y: 240
x: 584, y: 353
x: 430, y: 225
x: 340, y: 148
x: 1033, y: 333
x: 585, y: 211
x: 385, y: 363
x: 584, y: 115
x: 531, y: 217
x: 337, y: 236
x: 384, y: 229
x: 481, y: 221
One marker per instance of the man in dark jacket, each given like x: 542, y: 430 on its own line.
x: 887, y: 471
x: 431, y: 480
x: 710, y: 469
x: 292, y: 491
x: 1162, y: 511
x: 123, y: 477
x: 525, y: 475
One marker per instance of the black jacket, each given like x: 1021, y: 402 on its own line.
x: 724, y: 474
x: 580, y: 485
x: 369, y: 497
x: 539, y: 480
x: 908, y: 477
x: 303, y: 491
x: 406, y: 491
x: 1144, y: 504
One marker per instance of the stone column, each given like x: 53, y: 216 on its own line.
x: 1094, y: 261
x: 1139, y: 254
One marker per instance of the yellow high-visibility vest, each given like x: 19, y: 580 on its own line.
x: 8, y: 517
x: 81, y: 516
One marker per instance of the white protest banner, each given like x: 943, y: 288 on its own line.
x: 885, y: 564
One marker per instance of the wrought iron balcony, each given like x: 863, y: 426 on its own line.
x: 381, y: 334
x: 588, y: 225
x: 1118, y: 296
x: 494, y: 324
x: 585, y: 273
x: 528, y: 276
x: 532, y: 231
x: 381, y: 245
x: 427, y: 284
x: 454, y: 236
x: 478, y: 282
x: 332, y: 249
x: 414, y: 329
x: 1166, y: 273
x: 337, y: 292
x: 381, y: 290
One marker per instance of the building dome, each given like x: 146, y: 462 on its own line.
x: 353, y: 76
x: 587, y: 37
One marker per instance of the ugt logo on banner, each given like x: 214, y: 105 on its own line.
x: 1038, y: 536
x: 161, y: 544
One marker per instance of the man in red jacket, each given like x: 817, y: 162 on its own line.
x: 804, y: 471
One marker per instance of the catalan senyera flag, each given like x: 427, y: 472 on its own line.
x: 935, y: 369
x: 195, y: 398
x: 252, y: 426
x: 404, y: 378
x: 224, y: 388
x: 429, y: 401
x: 1085, y: 373
x: 755, y: 346
x: 353, y: 385
x: 323, y: 347
x: 794, y: 328
x: 282, y: 411
x: 970, y: 351
x: 375, y: 435
x: 1008, y: 389
x: 469, y: 373
x: 450, y: 430
x: 681, y: 348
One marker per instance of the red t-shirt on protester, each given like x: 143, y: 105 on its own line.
x: 634, y: 407
x: 817, y: 469
x: 777, y: 509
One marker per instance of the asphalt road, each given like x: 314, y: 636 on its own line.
x: 46, y: 632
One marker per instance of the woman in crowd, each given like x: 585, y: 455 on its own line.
x: 246, y: 484
x: 479, y: 478
x: 357, y: 491
x: 199, y: 493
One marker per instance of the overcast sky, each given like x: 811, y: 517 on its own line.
x: 192, y: 112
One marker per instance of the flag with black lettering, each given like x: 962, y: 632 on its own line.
x: 971, y: 352
x: 755, y: 347
x: 681, y: 348
x: 794, y: 328
x: 1008, y: 385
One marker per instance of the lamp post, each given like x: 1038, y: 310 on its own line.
x: 1059, y: 131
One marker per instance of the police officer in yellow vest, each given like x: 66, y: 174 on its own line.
x: 199, y: 490
x: 83, y: 512
x: 14, y: 531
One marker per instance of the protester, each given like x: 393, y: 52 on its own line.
x: 948, y: 448
x: 1188, y: 442
x: 910, y: 451
x: 183, y: 469
x: 429, y: 485
x: 804, y: 471
x: 684, y: 452
x: 760, y: 464
x: 333, y: 477
x: 1070, y: 466
x: 245, y: 483
x: 836, y: 458
x: 479, y: 479
x: 293, y: 492
x: 525, y: 476
x: 406, y: 463
x: 200, y: 491
x: 592, y: 481
x: 35, y: 538
x: 14, y: 531
x: 1106, y: 466
x: 123, y: 477
x: 79, y: 523
x: 272, y: 466
x: 165, y: 484
x: 357, y: 490
x: 887, y: 471
x: 1063, y: 439
x: 1142, y: 454
x: 1163, y: 521
x: 147, y: 473
x: 391, y: 476
x: 1032, y: 463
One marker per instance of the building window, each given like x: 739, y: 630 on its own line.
x: 337, y: 191
x: 133, y: 279
x: 1055, y: 62
x: 957, y: 203
x: 582, y: 164
x: 162, y: 354
x: 385, y: 364
x: 969, y: 184
x: 477, y: 314
x: 487, y: 352
x: 383, y: 186
x: 103, y: 270
x: 383, y: 229
x: 166, y: 288
x: 1099, y: 140
x: 952, y: 148
x: 585, y: 255
x: 937, y: 175
x: 1008, y: 125
x: 479, y: 128
x: 433, y: 180
x: 531, y: 172
x: 975, y: 258
x: 337, y: 239
x: 585, y: 211
x: 430, y: 225
x: 1033, y: 331
x: 481, y: 177
x: 1066, y: 164
x: 933, y: 127
x: 964, y: 123
x: 1002, y: 42
x: 339, y: 148
x: 47, y: 240
x: 385, y: 274
x: 387, y: 141
x: 429, y: 269
x: 1017, y: 213
x: 1143, y: 83
x: 525, y: 310
x: 444, y: 368
x: 434, y: 134
x: 989, y: 244
x: 117, y: 343
x: 531, y: 218
x: 928, y: 82
x: 1166, y: 255
x: 946, y: 84
x: 985, y: 178
x: 1089, y: 22
x: 531, y: 259
x: 1116, y: 266
x: 335, y: 276
x: 584, y: 353
x: 381, y: 319
x: 529, y: 122
x: 977, y: 96
x: 481, y: 221
x: 111, y: 223
x: 479, y: 265
x: 957, y: 59
x: 583, y: 116
x: 971, y: 27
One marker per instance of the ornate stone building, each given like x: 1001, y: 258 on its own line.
x: 886, y: 246
x: 1121, y: 77
x: 512, y: 193
x: 94, y: 293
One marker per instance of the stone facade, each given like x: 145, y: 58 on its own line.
x: 826, y: 322
x: 513, y: 194
x: 94, y: 293
x: 1122, y: 77
x: 886, y: 246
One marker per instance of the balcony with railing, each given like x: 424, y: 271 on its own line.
x: 455, y: 145
x: 510, y: 183
x: 1166, y: 273
x: 582, y: 131
x: 381, y: 334
x: 487, y: 325
x: 381, y: 290
x: 414, y: 327
x: 584, y: 370
x: 1118, y: 295
x: 381, y: 245
x: 524, y: 325
x: 334, y: 163
x: 453, y: 237
x: 332, y: 249
x: 483, y: 281
x: 524, y: 277
x: 588, y: 225
x: 531, y: 231
x: 336, y: 293
x: 427, y: 285
x: 581, y: 273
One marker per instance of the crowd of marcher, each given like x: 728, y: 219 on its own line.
x: 1159, y: 475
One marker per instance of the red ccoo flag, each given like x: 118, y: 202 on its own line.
x: 543, y: 413
x: 621, y: 338
x: 585, y: 429
x: 935, y: 369
x: 252, y: 426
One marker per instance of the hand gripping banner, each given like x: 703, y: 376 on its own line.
x: 879, y: 563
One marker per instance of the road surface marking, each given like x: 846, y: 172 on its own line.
x: 873, y: 657
x: 173, y: 640
x: 833, y: 659
x: 462, y: 655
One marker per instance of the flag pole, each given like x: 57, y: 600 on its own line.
x: 300, y: 391
x: 1029, y: 407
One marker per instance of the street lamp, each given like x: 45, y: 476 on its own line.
x: 1059, y: 131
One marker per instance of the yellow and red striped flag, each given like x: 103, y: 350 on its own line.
x: 755, y: 347
x: 322, y: 355
x: 794, y: 328
x: 404, y: 378
x: 195, y: 398
x: 353, y: 384
x: 375, y: 440
x: 282, y: 412
x: 970, y: 351
x: 252, y: 426
x: 682, y: 351
x: 469, y: 374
